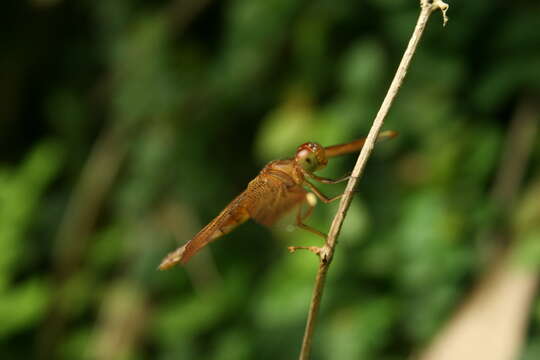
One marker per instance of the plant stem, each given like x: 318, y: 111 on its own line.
x: 327, y: 251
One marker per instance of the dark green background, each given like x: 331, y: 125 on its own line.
x: 127, y: 125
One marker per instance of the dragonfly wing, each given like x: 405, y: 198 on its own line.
x: 273, y: 200
x: 232, y: 216
x: 265, y: 200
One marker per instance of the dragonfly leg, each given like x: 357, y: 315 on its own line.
x: 327, y: 180
x: 317, y: 250
x: 300, y: 220
x: 314, y: 249
x: 320, y: 195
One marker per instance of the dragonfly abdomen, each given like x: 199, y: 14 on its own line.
x: 231, y: 220
x: 234, y: 215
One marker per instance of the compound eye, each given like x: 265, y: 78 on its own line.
x: 308, y: 161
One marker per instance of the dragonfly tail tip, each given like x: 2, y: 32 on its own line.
x: 173, y: 258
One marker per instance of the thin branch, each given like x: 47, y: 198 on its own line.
x: 517, y: 150
x: 182, y: 13
x: 326, y: 253
x: 83, y: 208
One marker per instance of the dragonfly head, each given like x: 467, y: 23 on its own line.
x: 311, y: 157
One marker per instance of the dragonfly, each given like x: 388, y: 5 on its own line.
x: 280, y: 186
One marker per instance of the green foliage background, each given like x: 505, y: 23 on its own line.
x: 126, y: 125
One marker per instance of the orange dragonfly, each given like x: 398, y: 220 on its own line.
x: 279, y: 187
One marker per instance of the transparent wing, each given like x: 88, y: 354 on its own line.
x: 266, y: 199
x: 233, y: 215
x: 273, y: 199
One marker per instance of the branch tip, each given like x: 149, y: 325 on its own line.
x: 433, y: 5
x: 443, y: 7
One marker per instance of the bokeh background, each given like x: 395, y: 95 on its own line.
x: 127, y: 125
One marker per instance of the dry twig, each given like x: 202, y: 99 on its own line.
x: 327, y: 251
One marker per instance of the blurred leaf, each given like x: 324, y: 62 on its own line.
x: 233, y: 345
x: 359, y: 332
x: 196, y: 314
x: 527, y: 227
x: 362, y: 68
x: 528, y: 252
x: 286, y: 128
x: 20, y: 196
x: 23, y: 306
x: 282, y: 299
